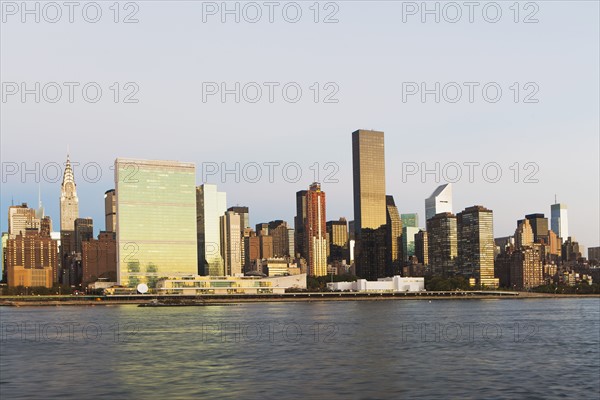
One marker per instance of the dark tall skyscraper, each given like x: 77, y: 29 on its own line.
x: 110, y: 210
x: 368, y: 165
x: 299, y: 223
x: 393, y: 237
x: 443, y: 246
x: 338, y: 240
x: 539, y: 225
x: 422, y: 247
x: 84, y: 231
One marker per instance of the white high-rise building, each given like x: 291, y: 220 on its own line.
x: 210, y: 206
x: 440, y: 201
x: 21, y: 218
x: 559, y: 222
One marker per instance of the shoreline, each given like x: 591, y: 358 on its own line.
x: 57, y: 301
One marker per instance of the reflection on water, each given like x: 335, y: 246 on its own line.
x: 475, y: 349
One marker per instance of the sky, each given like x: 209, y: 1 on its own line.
x: 518, y: 102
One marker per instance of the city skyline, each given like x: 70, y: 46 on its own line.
x: 98, y: 211
x: 315, y: 199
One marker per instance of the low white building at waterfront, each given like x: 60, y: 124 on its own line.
x: 194, y: 285
x: 393, y: 284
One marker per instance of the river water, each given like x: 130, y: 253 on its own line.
x: 462, y: 349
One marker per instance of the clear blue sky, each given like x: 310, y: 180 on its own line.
x: 368, y: 54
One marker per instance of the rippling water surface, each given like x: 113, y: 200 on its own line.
x: 463, y: 349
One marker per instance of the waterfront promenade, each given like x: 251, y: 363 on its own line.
x: 65, y: 300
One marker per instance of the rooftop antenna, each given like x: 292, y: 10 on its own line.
x: 555, y: 202
x: 39, y: 195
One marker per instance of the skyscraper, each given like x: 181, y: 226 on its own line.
x: 559, y: 221
x: 31, y: 259
x: 279, y: 230
x: 21, y: 218
x: 210, y: 206
x: 393, y: 237
x: 368, y: 167
x: 539, y: 225
x: 315, y: 231
x: 244, y: 215
x: 84, y: 231
x: 156, y: 220
x: 443, y: 243
x: 526, y: 267
x: 230, y: 243
x: 299, y: 224
x: 69, y: 202
x: 410, y: 219
x: 475, y: 226
x: 523, y: 234
x: 251, y: 250
x: 422, y: 247
x: 440, y: 201
x: 408, y: 241
x: 338, y: 239
x: 110, y: 211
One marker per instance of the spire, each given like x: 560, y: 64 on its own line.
x: 39, y: 213
x: 68, y: 175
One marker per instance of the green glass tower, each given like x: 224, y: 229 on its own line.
x: 156, y: 220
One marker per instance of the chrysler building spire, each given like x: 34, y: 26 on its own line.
x: 69, y: 203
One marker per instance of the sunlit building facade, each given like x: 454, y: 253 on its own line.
x: 69, y: 202
x: 475, y: 227
x: 368, y: 167
x: 394, y: 238
x: 156, y: 220
x: 210, y: 206
x: 315, y: 231
x: 230, y: 243
x: 31, y: 259
x: 21, y: 218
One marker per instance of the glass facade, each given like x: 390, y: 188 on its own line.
x: 368, y: 165
x: 210, y: 206
x: 476, y: 244
x: 408, y: 241
x: 559, y: 222
x: 410, y: 219
x: 442, y: 240
x: 394, y: 237
x: 156, y: 220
